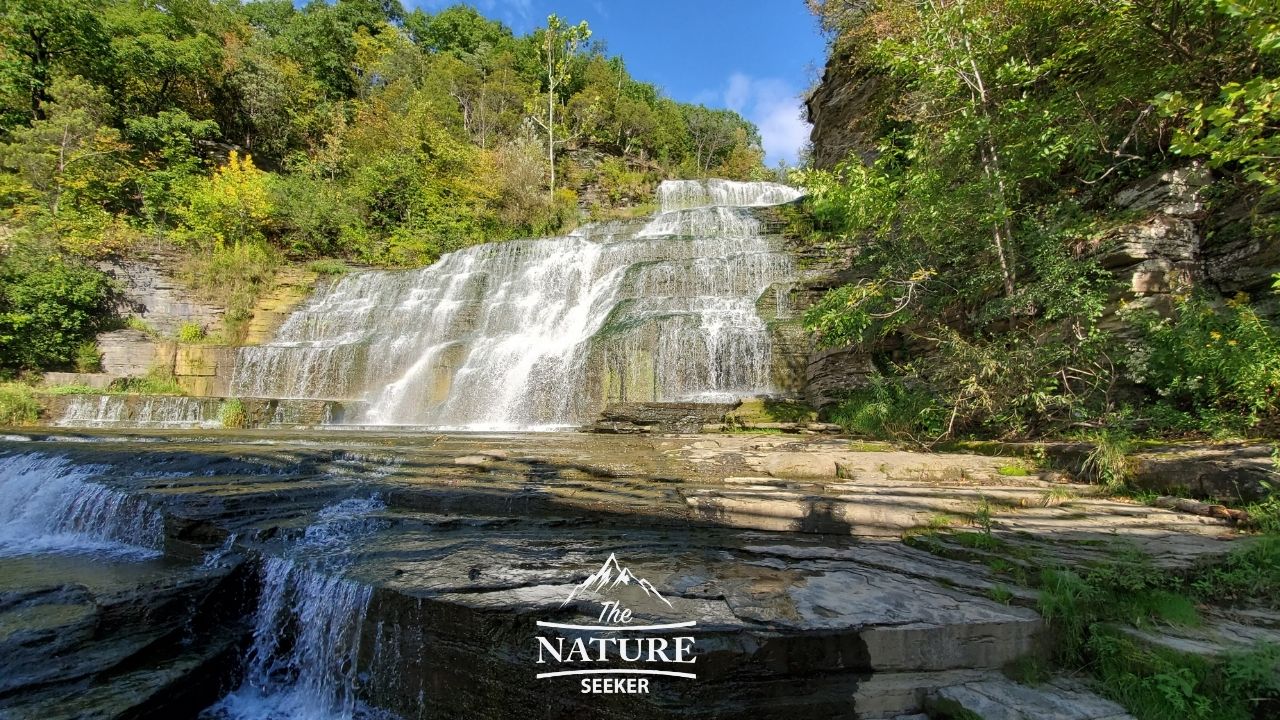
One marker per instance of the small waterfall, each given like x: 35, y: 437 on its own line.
x: 141, y: 411
x: 540, y: 333
x: 684, y: 194
x: 48, y: 504
x: 304, y: 661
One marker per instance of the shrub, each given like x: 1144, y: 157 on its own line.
x: 232, y: 413
x: 889, y: 409
x: 1219, y: 362
x: 88, y: 359
x: 48, y: 307
x: 191, y: 332
x: 18, y: 405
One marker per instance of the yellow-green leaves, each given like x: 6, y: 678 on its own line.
x: 230, y: 207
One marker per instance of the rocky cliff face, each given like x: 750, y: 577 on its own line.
x: 846, y: 110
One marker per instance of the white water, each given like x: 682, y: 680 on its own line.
x: 48, y: 504
x: 148, y: 411
x: 539, y: 333
x: 304, y: 661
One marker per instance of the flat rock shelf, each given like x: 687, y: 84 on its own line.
x: 363, y: 574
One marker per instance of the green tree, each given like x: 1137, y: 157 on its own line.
x: 39, y: 35
x: 558, y: 45
x: 230, y: 208
x: 71, y: 148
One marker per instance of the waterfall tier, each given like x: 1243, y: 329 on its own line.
x: 47, y: 504
x: 537, y: 333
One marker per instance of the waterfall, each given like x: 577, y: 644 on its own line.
x: 305, y: 657
x: 141, y: 411
x: 48, y: 504
x: 540, y: 333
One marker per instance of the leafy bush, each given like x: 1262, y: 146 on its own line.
x: 88, y: 359
x: 230, y: 207
x: 18, y: 405
x: 48, y: 307
x: 191, y: 332
x: 1221, y: 363
x: 888, y: 409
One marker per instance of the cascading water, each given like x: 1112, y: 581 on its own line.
x: 303, y: 664
x: 48, y: 504
x: 148, y: 411
x: 536, y: 333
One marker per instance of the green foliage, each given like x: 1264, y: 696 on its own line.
x: 191, y: 332
x: 1218, y: 362
x: 158, y: 381
x: 1108, y: 462
x: 1014, y: 471
x: 1084, y: 607
x: 230, y: 207
x: 1264, y: 515
x: 353, y: 130
x: 18, y: 405
x: 232, y: 413
x: 990, y: 154
x: 1157, y: 684
x: 134, y: 322
x: 1248, y: 575
x: 234, y: 275
x: 327, y: 267
x: 71, y: 390
x: 88, y: 359
x: 889, y: 409
x: 1238, y: 130
x: 48, y: 307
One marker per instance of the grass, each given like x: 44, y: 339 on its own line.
x: 18, y: 404
x: 74, y: 389
x: 133, y: 322
x: 328, y: 266
x: 233, y: 275
x: 1084, y: 607
x: 1108, y: 462
x: 232, y: 413
x: 1056, y: 496
x: 1000, y: 594
x: 1014, y: 471
x: 157, y: 382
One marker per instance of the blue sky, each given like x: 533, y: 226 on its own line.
x: 753, y: 56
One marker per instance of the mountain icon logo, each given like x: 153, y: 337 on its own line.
x: 611, y: 575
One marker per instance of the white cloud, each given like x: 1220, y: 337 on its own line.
x: 775, y: 107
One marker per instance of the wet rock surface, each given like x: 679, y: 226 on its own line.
x: 786, y: 554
